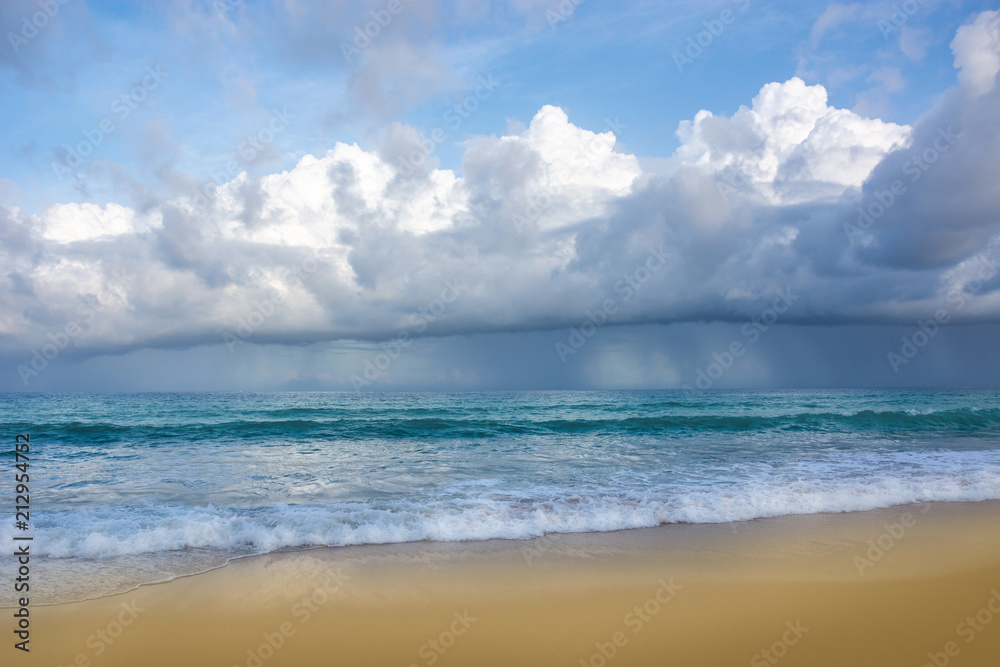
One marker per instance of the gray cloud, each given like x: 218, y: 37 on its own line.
x: 540, y: 228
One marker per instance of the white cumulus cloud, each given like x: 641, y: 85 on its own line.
x: 790, y: 143
x: 539, y: 226
x: 977, y: 52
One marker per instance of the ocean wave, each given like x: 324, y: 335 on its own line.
x: 488, y: 510
x: 952, y: 421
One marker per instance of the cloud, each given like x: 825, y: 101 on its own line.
x: 949, y: 211
x: 977, y: 52
x: 832, y: 17
x: 33, y: 41
x: 394, y: 77
x: 889, y: 78
x: 913, y: 42
x: 790, y: 144
x: 540, y: 227
x: 875, y: 100
x: 67, y: 223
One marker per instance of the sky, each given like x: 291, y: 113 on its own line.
x: 231, y: 195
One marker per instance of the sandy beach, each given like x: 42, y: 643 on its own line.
x: 909, y: 585
x: 538, y: 333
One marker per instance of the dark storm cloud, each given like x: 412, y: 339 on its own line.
x: 788, y: 199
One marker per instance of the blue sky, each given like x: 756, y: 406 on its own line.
x: 225, y: 72
x: 182, y: 85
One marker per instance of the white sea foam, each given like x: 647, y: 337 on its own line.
x: 470, y: 511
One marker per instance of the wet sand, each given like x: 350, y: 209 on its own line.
x: 915, y: 585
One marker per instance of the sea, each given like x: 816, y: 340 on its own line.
x: 128, y: 489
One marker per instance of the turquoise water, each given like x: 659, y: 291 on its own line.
x: 159, y: 482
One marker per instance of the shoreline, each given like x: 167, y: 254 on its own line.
x: 717, y: 590
x: 529, y: 545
